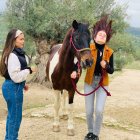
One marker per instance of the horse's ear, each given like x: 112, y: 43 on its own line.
x: 75, y: 24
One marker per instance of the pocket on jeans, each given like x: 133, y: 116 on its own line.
x: 6, y: 91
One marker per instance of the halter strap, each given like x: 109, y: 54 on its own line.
x: 92, y: 92
x: 78, y: 50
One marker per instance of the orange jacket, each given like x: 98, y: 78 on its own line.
x: 107, y: 52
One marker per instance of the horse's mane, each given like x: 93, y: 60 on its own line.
x: 66, y: 49
x: 66, y: 58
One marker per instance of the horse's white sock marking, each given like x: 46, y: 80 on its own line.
x: 57, y: 99
x: 71, y: 115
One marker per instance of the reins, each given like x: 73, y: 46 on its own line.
x: 99, y: 85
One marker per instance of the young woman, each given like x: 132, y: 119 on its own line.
x: 14, y: 69
x: 103, y: 64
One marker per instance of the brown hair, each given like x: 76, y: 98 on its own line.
x: 105, y: 25
x: 8, y: 48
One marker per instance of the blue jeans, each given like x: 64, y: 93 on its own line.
x: 94, y: 110
x: 13, y: 94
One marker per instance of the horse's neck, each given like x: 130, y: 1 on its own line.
x: 66, y: 55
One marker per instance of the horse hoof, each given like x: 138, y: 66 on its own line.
x: 70, y: 132
x: 56, y: 128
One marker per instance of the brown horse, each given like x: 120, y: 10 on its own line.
x: 61, y: 63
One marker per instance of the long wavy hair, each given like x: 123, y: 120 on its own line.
x: 105, y: 25
x: 8, y: 48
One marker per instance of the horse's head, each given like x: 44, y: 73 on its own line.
x: 80, y: 40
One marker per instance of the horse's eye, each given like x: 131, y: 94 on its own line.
x: 76, y: 39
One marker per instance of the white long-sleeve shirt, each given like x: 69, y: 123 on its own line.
x: 14, y: 67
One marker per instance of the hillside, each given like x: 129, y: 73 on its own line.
x: 134, y: 31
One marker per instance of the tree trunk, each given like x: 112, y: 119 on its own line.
x: 43, y: 49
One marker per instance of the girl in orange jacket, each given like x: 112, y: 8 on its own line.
x: 103, y: 64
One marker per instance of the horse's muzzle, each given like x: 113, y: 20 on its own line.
x: 87, y: 63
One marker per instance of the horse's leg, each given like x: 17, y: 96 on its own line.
x: 64, y: 105
x: 70, y: 131
x: 57, y: 95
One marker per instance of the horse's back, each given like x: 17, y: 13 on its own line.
x: 52, y: 60
x: 54, y: 49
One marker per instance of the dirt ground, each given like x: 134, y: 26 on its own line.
x: 121, y: 115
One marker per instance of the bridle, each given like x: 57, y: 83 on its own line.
x: 72, y: 44
x: 77, y: 50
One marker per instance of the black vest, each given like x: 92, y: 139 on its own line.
x: 21, y: 56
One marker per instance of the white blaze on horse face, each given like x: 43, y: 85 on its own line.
x: 75, y: 60
x: 53, y: 64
